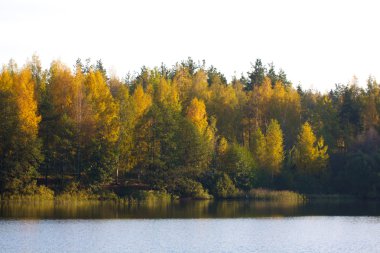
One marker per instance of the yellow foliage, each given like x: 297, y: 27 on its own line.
x: 142, y: 101
x: 274, y: 147
x: 196, y: 112
x: 310, y: 155
x: 27, y: 104
x: 21, y: 86
x: 167, y: 95
x: 259, y: 148
x: 104, y: 108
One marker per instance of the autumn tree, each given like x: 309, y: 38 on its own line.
x: 59, y: 130
x: 310, y: 154
x: 103, y: 126
x: 196, y: 113
x: 274, y: 148
x: 19, y: 146
x: 259, y: 148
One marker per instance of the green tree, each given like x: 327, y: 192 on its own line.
x: 256, y: 76
x: 169, y: 147
x: 240, y: 166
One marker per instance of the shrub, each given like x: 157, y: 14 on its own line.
x: 189, y: 188
x: 225, y: 188
x: 150, y: 196
x: 73, y: 192
x: 31, y: 191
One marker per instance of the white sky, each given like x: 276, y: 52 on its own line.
x: 317, y: 43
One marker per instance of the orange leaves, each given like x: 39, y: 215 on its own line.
x: 21, y: 87
x: 27, y: 103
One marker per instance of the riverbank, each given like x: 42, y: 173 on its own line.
x: 141, y: 195
x: 45, y: 194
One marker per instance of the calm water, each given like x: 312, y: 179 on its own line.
x: 196, y: 226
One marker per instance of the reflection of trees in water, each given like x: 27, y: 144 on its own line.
x: 147, y: 209
x: 181, y: 209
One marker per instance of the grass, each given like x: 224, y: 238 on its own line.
x: 272, y: 195
x: 38, y: 193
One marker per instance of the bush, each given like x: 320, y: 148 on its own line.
x: 73, y: 192
x: 31, y: 191
x: 225, y: 188
x: 189, y: 188
x: 151, y: 196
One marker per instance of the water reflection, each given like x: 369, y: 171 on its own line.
x: 183, y: 209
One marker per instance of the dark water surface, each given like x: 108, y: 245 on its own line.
x: 184, y: 209
x: 193, y: 226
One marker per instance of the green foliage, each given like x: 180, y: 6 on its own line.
x: 225, y: 188
x: 30, y: 192
x: 190, y: 189
x: 361, y: 174
x: 170, y: 144
x: 74, y: 192
x: 181, y: 129
x: 151, y: 196
x: 240, y: 166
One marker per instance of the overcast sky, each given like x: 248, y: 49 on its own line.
x: 317, y: 43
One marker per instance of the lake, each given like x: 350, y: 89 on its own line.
x: 190, y: 226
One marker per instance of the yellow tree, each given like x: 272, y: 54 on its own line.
x: 200, y: 85
x: 63, y: 125
x: 285, y: 106
x: 222, y: 104
x: 19, y: 146
x: 139, y: 104
x: 256, y: 110
x: 167, y: 95
x: 274, y: 148
x: 141, y: 100
x: 310, y: 155
x: 259, y: 148
x: 196, y: 112
x: 183, y: 82
x: 103, y: 117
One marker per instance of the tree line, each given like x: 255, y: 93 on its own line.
x: 185, y: 130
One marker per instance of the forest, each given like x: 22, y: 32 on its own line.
x: 184, y: 130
